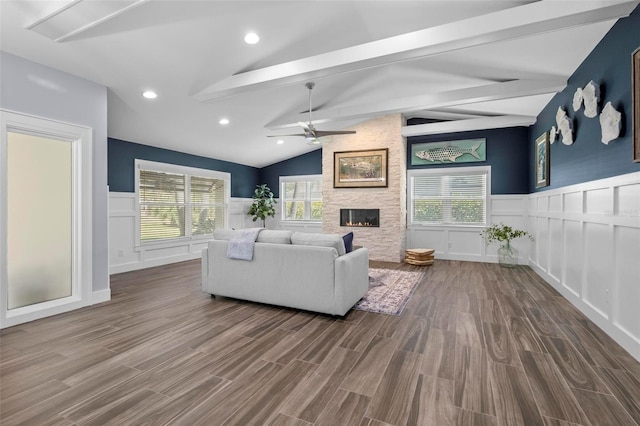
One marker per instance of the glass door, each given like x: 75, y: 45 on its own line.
x: 45, y: 217
x: 39, y: 219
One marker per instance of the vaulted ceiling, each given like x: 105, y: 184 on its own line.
x: 466, y: 64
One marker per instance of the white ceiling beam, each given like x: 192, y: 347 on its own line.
x: 78, y: 16
x: 498, y: 122
x: 443, y: 115
x: 522, y: 21
x: 489, y: 92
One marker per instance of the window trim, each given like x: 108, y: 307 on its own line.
x: 307, y: 201
x: 182, y: 170
x: 448, y: 171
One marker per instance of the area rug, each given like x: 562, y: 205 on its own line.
x: 389, y: 290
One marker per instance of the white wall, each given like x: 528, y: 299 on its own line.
x: 34, y: 89
x: 588, y: 248
x: 125, y: 256
x: 465, y: 243
x: 450, y: 243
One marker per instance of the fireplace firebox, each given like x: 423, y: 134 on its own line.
x: 360, y: 217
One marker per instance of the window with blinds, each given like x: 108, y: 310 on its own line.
x: 208, y: 207
x: 301, y: 197
x: 162, y: 205
x: 176, y: 202
x: 448, y: 196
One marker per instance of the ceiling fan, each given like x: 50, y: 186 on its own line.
x: 310, y: 133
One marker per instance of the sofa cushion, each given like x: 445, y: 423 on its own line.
x: 323, y: 240
x: 348, y: 242
x: 222, y: 234
x: 274, y: 236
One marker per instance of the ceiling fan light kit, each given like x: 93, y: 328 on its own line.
x: 310, y: 133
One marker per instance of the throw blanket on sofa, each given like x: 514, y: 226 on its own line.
x: 242, y: 242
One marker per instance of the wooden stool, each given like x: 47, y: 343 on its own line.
x: 420, y: 257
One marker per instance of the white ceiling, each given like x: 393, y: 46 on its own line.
x: 193, y: 55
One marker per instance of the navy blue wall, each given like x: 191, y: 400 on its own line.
x: 121, y: 173
x: 609, y: 65
x: 305, y: 164
x: 508, y: 155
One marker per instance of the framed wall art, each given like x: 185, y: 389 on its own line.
x: 360, y: 169
x: 635, y: 103
x: 542, y: 160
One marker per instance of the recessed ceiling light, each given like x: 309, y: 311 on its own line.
x: 280, y: 142
x: 251, y: 38
x: 224, y: 121
x: 149, y: 94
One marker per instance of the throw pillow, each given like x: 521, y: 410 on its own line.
x: 348, y: 242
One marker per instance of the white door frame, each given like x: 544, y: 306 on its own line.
x: 81, y: 139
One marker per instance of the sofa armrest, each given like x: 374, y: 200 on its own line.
x: 351, y: 279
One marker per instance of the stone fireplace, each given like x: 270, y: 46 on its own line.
x: 387, y: 241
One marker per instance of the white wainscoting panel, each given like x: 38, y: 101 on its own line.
x: 627, y: 267
x: 573, y: 268
x: 588, y: 248
x: 125, y: 256
x: 541, y: 236
x: 555, y: 251
x: 465, y: 243
x: 598, y: 262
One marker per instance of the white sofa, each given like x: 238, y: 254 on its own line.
x: 298, y: 270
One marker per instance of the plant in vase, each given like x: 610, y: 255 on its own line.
x: 263, y: 204
x: 507, y: 254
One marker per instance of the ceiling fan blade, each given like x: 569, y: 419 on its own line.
x: 281, y: 136
x: 320, y: 133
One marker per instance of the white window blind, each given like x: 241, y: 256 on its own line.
x: 180, y: 202
x: 448, y: 196
x: 301, y: 197
x: 207, y: 205
x: 162, y: 205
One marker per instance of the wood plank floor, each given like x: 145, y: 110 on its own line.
x: 476, y: 345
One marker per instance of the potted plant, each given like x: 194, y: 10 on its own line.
x: 263, y: 204
x: 507, y: 254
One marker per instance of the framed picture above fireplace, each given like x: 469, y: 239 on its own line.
x: 360, y: 169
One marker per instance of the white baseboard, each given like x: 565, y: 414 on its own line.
x: 101, y: 296
x: 134, y: 266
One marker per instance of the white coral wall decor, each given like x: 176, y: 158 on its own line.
x: 564, y: 126
x: 591, y: 97
x: 610, y: 123
x: 552, y: 134
x: 577, y: 99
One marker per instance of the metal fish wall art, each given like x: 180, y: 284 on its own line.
x: 448, y: 153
